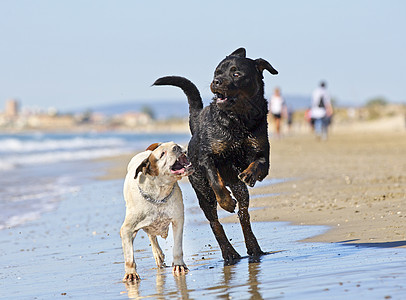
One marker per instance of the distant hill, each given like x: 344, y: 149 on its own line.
x: 165, y: 109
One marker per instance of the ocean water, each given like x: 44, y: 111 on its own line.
x: 36, y: 169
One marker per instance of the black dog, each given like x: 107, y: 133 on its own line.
x: 229, y: 144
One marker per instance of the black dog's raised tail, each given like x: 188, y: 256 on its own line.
x: 191, y: 92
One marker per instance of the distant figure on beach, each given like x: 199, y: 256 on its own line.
x: 278, y: 110
x: 290, y: 112
x: 321, y: 110
x: 308, y: 118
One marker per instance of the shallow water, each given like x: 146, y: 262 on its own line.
x: 36, y: 169
x: 75, y: 252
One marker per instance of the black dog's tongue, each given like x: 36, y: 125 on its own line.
x: 219, y: 98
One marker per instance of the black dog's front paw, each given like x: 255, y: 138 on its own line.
x: 231, y: 257
x: 255, y: 252
x: 248, y: 178
x: 256, y: 171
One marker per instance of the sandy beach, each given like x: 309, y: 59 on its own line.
x: 355, y: 183
x: 330, y: 214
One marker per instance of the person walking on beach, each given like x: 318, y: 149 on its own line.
x: 290, y: 113
x: 278, y: 110
x: 321, y: 110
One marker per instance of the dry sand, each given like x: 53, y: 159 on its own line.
x: 354, y: 182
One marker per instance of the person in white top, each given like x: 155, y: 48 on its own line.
x: 278, y: 110
x: 321, y: 110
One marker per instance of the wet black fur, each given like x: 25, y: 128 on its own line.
x: 229, y: 144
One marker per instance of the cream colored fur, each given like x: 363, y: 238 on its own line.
x: 153, y: 202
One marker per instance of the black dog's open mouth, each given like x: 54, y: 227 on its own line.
x: 182, y: 166
x: 222, y: 98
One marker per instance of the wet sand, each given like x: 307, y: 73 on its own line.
x: 75, y: 253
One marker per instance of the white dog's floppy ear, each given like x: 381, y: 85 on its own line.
x: 239, y: 52
x: 148, y: 166
x: 153, y: 146
x: 262, y: 65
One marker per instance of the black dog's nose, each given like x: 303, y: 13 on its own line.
x: 217, y: 81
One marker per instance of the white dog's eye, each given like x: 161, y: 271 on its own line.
x: 162, y: 154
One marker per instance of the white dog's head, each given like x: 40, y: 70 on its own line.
x: 167, y: 159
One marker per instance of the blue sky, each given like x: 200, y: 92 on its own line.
x: 73, y: 54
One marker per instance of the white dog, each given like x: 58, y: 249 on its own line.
x: 153, y: 201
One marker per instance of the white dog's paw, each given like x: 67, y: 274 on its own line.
x: 179, y: 270
x: 131, y: 277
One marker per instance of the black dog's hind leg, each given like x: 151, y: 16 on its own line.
x: 240, y: 192
x: 208, y: 203
x: 222, y: 195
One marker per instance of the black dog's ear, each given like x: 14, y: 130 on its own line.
x: 147, y: 166
x: 262, y: 65
x: 239, y: 52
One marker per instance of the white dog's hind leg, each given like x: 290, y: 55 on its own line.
x: 127, y: 239
x: 157, y: 251
x: 179, y: 266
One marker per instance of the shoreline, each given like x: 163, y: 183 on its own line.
x: 355, y: 183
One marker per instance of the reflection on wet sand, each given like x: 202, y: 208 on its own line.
x: 161, y: 291
x: 251, y: 283
x: 254, y: 269
x: 132, y: 289
x: 226, y: 286
x: 182, y: 286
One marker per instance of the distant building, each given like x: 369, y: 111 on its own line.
x: 132, y: 119
x: 11, y: 110
x: 44, y: 121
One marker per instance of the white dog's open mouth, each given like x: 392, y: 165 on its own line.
x: 182, y: 166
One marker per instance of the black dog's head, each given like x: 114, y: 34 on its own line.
x: 238, y: 79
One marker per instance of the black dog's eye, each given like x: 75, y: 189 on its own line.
x: 162, y: 154
x: 235, y: 74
